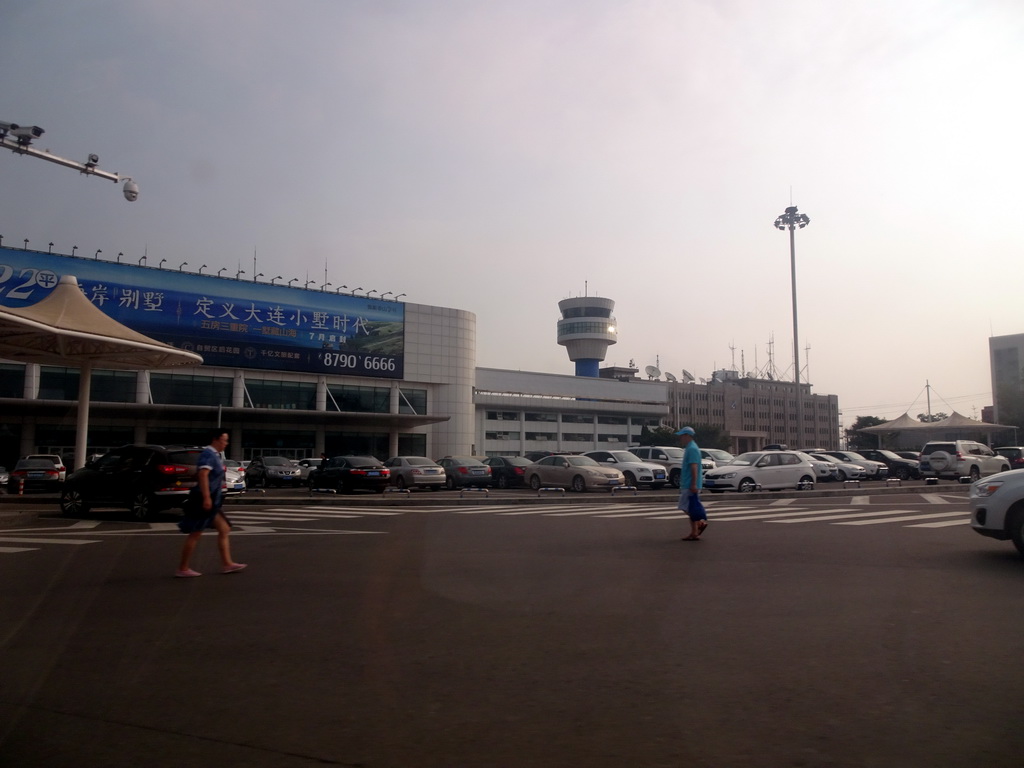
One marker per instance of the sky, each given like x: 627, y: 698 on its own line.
x: 499, y: 157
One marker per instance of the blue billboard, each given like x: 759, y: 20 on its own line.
x: 234, y: 323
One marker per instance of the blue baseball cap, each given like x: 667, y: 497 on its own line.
x: 686, y: 431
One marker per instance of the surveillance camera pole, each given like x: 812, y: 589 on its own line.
x: 24, y: 147
x: 793, y: 220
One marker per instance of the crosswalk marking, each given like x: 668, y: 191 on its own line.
x: 26, y: 540
x: 819, y: 516
x: 943, y: 524
x: 901, y: 519
x: 11, y: 550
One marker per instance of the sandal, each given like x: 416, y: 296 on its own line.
x: 690, y: 538
x: 701, y: 526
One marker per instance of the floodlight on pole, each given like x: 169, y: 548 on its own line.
x: 182, y: 265
x: 292, y: 281
x: 19, y: 138
x: 96, y: 255
x: 275, y: 277
x: 50, y: 249
x: 794, y: 220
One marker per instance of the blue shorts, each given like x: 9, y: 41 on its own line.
x: 691, y: 504
x: 189, y: 524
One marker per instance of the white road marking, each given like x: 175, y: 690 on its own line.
x: 26, y: 540
x: 945, y: 524
x: 902, y: 519
x: 11, y: 550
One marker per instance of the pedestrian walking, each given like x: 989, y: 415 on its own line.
x: 690, y: 483
x: 203, y: 509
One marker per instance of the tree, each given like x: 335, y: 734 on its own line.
x: 934, y: 417
x: 857, y: 439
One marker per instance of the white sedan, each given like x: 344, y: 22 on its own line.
x: 844, y: 469
x: 770, y: 470
x: 633, y: 468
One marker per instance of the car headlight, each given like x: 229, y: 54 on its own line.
x: 985, y: 488
x: 726, y: 476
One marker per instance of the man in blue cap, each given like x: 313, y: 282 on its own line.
x: 690, y: 482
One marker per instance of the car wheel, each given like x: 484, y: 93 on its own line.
x: 72, y: 503
x: 143, y: 506
x: 673, y: 477
x: 975, y: 473
x: 502, y: 481
x: 747, y: 485
x: 535, y: 482
x: 806, y: 483
x: 841, y: 476
x: 579, y: 484
x: 449, y: 483
x: 902, y: 473
x: 400, y: 482
x: 630, y: 478
x: 1016, y: 527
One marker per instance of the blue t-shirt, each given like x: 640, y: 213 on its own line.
x: 211, y: 460
x: 691, y: 455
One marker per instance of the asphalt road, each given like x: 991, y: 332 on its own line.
x: 878, y: 631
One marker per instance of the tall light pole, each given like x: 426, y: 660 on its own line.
x: 793, y: 220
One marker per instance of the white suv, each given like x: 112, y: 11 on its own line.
x: 997, y: 507
x: 960, y: 458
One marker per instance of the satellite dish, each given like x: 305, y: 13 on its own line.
x: 688, y: 377
x: 653, y: 371
x: 670, y: 377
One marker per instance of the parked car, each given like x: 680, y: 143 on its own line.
x: 1012, y: 453
x: 142, y: 478
x: 579, y: 473
x: 904, y: 469
x: 55, y: 458
x: 997, y: 507
x: 960, y: 458
x: 873, y: 470
x: 234, y: 481
x: 4, y: 477
x: 416, y: 472
x: 668, y: 456
x: 508, y: 471
x: 461, y: 471
x: 771, y: 470
x: 348, y: 473
x: 34, y: 475
x: 305, y: 467
x: 824, y: 467
x: 716, y: 456
x: 264, y: 471
x: 914, y: 455
x: 844, y: 469
x: 634, y: 470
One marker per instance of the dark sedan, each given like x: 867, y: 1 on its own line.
x: 904, y: 469
x: 348, y: 473
x: 34, y: 475
x: 508, y: 471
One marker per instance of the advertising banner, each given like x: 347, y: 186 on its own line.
x: 230, y: 322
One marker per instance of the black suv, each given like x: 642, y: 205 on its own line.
x: 904, y: 469
x: 143, y: 478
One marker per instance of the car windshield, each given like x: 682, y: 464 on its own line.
x: 624, y: 456
x: 718, y: 455
x: 582, y: 461
x: 364, y: 461
x: 276, y: 461
x: 746, y: 459
x: 35, y: 464
x: 186, y: 456
x: 673, y: 453
x: 518, y: 461
x: 420, y: 461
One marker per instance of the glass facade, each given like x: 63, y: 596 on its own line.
x: 186, y: 389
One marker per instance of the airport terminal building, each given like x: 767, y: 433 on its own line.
x: 300, y: 371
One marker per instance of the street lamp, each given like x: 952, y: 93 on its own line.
x: 182, y: 265
x: 276, y: 277
x: 324, y: 286
x: 96, y: 255
x: 50, y: 249
x: 219, y: 271
x: 292, y: 281
x: 161, y: 264
x: 202, y: 268
x: 793, y: 220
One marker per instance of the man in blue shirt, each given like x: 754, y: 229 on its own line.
x: 690, y: 482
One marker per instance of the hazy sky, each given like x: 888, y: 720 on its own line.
x: 499, y: 157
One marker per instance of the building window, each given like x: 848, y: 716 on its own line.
x: 412, y: 401
x: 501, y: 435
x: 284, y: 395
x: 577, y: 418
x: 611, y: 419
x: 113, y: 387
x: 503, y: 415
x: 12, y: 380
x: 578, y: 437
x: 360, y: 399
x: 608, y: 438
x: 185, y: 389
x: 541, y: 436
x: 551, y: 417
x: 58, y: 383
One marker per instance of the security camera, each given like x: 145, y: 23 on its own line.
x: 93, y: 160
x: 131, y: 191
x: 26, y: 133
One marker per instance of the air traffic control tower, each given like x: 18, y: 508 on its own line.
x: 586, y: 330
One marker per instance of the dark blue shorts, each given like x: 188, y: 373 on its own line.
x: 691, y: 504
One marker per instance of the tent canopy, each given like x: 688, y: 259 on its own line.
x: 65, y: 328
